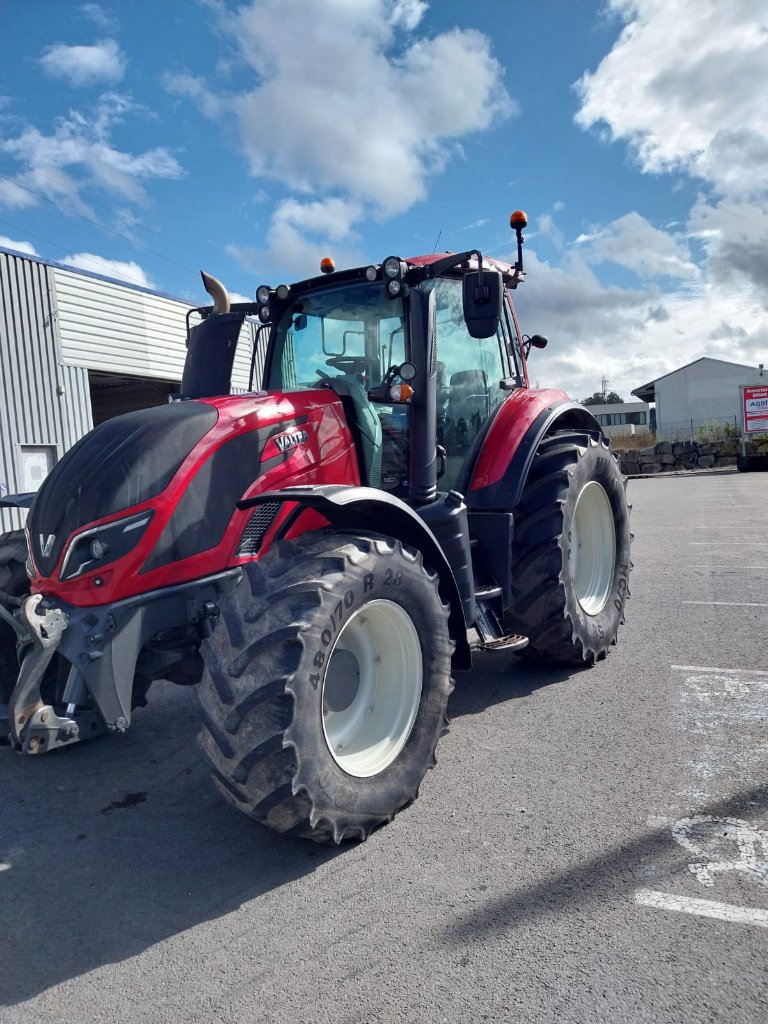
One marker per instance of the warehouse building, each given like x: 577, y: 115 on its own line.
x: 76, y: 349
x: 699, y: 398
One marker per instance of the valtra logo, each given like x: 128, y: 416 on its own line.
x: 286, y: 441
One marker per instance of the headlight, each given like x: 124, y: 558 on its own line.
x: 393, y: 267
x: 262, y: 294
x: 95, y: 548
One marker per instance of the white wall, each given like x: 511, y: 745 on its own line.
x: 707, y: 390
x: 621, y: 409
x: 104, y: 325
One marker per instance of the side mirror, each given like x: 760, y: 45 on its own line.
x: 537, y: 341
x: 483, y: 292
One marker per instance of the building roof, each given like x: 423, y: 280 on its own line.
x: 90, y: 273
x: 647, y: 392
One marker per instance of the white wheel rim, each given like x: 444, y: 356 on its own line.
x: 593, y: 548
x: 372, y: 688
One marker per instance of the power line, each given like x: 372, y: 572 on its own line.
x: 95, y: 223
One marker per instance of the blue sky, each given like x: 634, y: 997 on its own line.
x: 149, y: 140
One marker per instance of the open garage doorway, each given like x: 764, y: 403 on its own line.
x: 113, y: 394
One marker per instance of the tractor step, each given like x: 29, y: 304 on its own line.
x: 487, y: 593
x: 513, y: 642
x: 490, y: 631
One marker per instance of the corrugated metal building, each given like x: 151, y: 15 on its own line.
x: 75, y: 349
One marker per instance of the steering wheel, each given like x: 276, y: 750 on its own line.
x: 348, y: 364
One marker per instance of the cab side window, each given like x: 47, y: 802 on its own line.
x: 468, y: 374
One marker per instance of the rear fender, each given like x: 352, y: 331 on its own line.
x: 504, y: 462
x: 367, y: 509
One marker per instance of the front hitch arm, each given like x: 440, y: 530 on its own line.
x: 43, y: 634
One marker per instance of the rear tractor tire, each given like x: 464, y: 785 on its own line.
x: 571, y: 552
x: 326, y: 684
x: 14, y: 584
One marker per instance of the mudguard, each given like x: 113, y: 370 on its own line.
x: 369, y: 509
x: 501, y: 469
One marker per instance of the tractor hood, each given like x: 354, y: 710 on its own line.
x: 150, y: 499
x: 121, y: 463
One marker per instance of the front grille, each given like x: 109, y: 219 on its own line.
x: 261, y: 520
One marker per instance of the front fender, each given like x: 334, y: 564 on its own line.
x: 501, y: 470
x: 368, y: 509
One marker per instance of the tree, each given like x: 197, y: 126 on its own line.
x: 612, y: 398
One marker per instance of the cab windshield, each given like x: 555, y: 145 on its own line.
x: 354, y: 331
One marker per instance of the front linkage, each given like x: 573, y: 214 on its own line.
x: 101, y: 651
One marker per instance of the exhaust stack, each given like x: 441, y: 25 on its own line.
x: 217, y: 291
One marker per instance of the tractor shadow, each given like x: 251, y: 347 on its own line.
x: 607, y: 879
x: 111, y: 847
x: 498, y: 677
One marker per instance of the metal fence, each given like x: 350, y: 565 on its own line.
x: 708, y: 429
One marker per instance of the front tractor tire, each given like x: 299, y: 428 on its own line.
x: 571, y: 552
x: 325, y: 685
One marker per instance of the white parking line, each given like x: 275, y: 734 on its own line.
x: 702, y: 908
x: 709, y: 668
x: 732, y: 604
x: 756, y: 524
x: 728, y: 544
x: 718, y: 568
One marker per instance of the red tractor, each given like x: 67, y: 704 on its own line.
x: 312, y: 555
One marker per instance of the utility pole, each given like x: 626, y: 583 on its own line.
x: 605, y: 382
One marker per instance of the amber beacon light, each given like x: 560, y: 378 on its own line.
x: 517, y: 222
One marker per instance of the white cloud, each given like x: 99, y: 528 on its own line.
x: 632, y: 242
x: 353, y: 107
x: 684, y: 85
x: 79, y: 154
x: 630, y: 335
x: 123, y: 271
x: 101, y: 17
x: 11, y: 243
x: 735, y: 237
x: 545, y: 225
x: 85, y: 65
x: 194, y: 87
x: 14, y: 196
x: 292, y: 247
x: 407, y: 13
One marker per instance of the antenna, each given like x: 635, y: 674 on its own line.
x: 434, y: 250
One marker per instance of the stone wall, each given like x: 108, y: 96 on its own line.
x: 674, y: 456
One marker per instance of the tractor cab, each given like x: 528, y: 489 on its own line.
x: 420, y: 361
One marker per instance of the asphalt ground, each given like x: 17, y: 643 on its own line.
x: 593, y: 845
